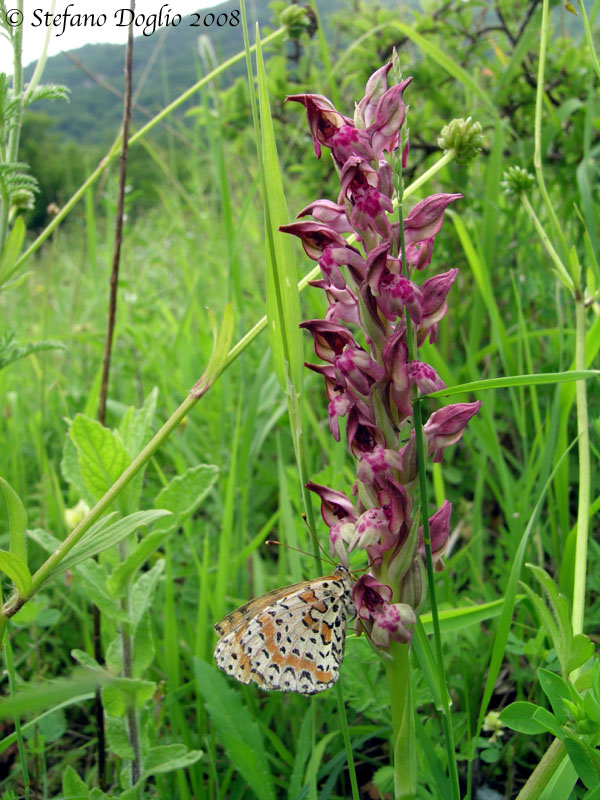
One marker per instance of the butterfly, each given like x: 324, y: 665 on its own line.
x: 290, y: 639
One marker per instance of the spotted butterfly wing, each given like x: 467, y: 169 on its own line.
x: 291, y: 639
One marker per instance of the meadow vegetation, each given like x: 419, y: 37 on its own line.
x: 518, y: 603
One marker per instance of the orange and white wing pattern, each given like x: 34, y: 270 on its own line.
x: 291, y: 639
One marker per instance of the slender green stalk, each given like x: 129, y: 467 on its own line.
x: 545, y: 239
x: 347, y: 742
x: 448, y: 156
x: 437, y: 636
x: 583, y: 505
x: 403, y: 722
x: 540, y: 776
x: 10, y: 671
x: 537, y: 156
x: 589, y: 39
x: 421, y: 459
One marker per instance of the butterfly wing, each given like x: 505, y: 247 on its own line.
x: 250, y: 609
x: 295, y: 640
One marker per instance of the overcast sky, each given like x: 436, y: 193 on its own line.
x: 96, y: 30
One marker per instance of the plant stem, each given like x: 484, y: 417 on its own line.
x: 437, y: 636
x: 403, y: 725
x: 10, y: 671
x: 583, y: 506
x: 543, y: 772
x: 347, y: 742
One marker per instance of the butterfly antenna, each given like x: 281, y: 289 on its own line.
x: 289, y: 547
x: 317, y: 542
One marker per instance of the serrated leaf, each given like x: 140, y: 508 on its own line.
x: 184, y: 493
x: 168, y: 758
x: 47, y: 91
x: 94, y: 579
x: 135, y: 425
x: 116, y: 736
x: 585, y: 761
x: 72, y: 471
x: 17, y: 521
x: 17, y: 571
x: 236, y: 729
x: 556, y: 690
x: 384, y: 780
x: 143, y: 591
x: 101, y: 454
x: 11, y: 351
x: 143, y: 647
x: 123, y: 573
x: 519, y: 717
x: 73, y: 787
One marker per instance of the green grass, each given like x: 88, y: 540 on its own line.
x: 200, y: 243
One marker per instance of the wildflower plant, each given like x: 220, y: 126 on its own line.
x: 380, y: 312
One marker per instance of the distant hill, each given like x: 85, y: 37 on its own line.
x: 170, y: 57
x: 169, y: 62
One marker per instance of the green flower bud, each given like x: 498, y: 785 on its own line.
x: 465, y: 136
x: 517, y: 180
x: 298, y: 20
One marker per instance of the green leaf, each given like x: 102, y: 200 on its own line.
x: 220, y: 352
x: 116, y: 736
x: 591, y: 707
x: 143, y: 647
x: 593, y: 794
x: 520, y: 717
x: 549, y: 721
x: 283, y: 298
x: 184, y: 493
x: 518, y: 380
x: 168, y: 758
x: 17, y: 571
x: 73, y: 787
x: 555, y: 690
x: 17, y: 521
x: 96, y: 541
x: 121, y: 693
x: 71, y: 471
x: 581, y: 649
x: 135, y: 425
x: 85, y: 659
x: 11, y: 350
x: 45, y: 696
x: 585, y: 761
x: 101, y: 454
x: 94, y: 580
x: 303, y: 747
x: 143, y: 591
x: 453, y: 619
x: 123, y: 573
x: 236, y: 730
x: 11, y: 250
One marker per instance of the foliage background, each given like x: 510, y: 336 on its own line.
x: 194, y: 238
